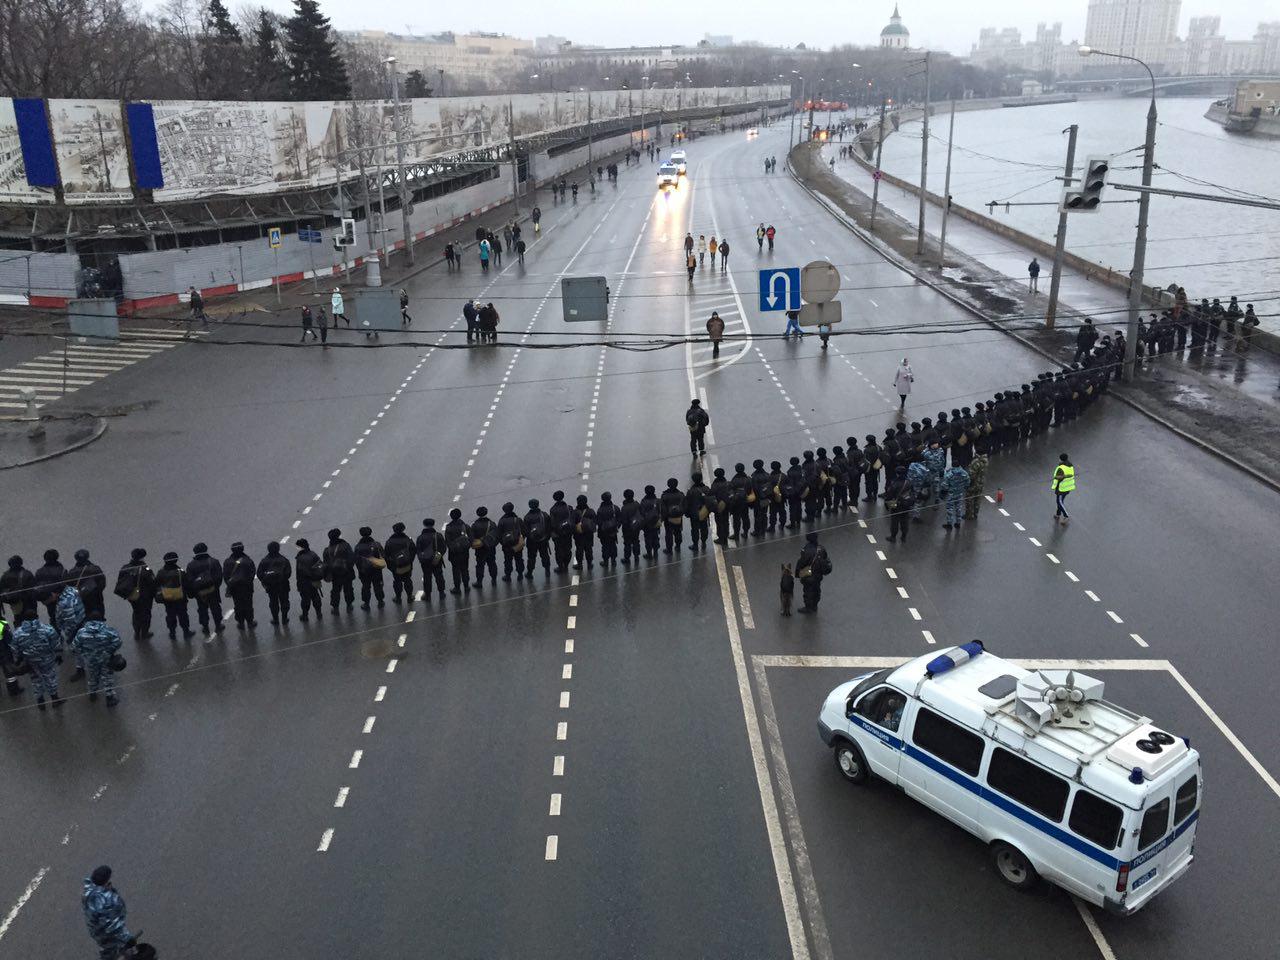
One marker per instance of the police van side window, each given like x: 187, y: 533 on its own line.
x: 945, y: 740
x: 882, y: 707
x: 1096, y: 820
x: 1185, y: 801
x: 1155, y: 824
x: 1035, y: 789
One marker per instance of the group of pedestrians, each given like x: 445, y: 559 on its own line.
x: 482, y: 321
x: 770, y: 164
x: 703, y: 246
x: 1198, y: 328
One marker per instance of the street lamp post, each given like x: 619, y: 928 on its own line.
x: 400, y: 184
x: 1144, y: 203
x: 791, y: 137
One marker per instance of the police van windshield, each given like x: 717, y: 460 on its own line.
x: 866, y: 684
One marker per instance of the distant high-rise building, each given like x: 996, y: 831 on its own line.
x: 895, y: 36
x: 1146, y: 29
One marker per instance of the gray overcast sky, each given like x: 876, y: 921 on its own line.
x: 937, y: 24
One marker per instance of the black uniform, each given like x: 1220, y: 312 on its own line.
x: 238, y: 572
x: 813, y: 565
x: 172, y: 590
x: 760, y: 488
x: 871, y: 478
x: 651, y: 513
x: 739, y: 508
x: 484, y: 541
x: 17, y: 589
x: 697, y: 508
x: 672, y: 501
x: 793, y: 490
x: 697, y: 420
x: 839, y: 479
x: 457, y: 538
x: 340, y: 570
x: 274, y: 573
x: 431, y: 552
x: 368, y: 552
x: 631, y: 522
x: 136, y: 583
x: 608, y: 520
x: 537, y: 534
x: 561, y: 515
x: 399, y: 552
x: 310, y: 570
x: 812, y: 477
x: 89, y: 579
x: 720, y: 492
x: 584, y: 535
x: 777, y: 502
x: 49, y: 581
x: 900, y: 499
x: 511, y: 536
x: 204, y: 575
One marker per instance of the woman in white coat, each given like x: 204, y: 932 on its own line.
x: 339, y: 310
x: 902, y: 381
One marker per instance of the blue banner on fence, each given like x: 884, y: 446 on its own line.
x: 37, y: 144
x: 146, y: 152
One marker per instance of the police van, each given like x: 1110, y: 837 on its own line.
x: 1058, y: 782
x: 668, y: 175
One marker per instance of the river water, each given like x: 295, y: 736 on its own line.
x: 1211, y: 249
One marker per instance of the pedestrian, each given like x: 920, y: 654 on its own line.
x: 136, y: 583
x: 874, y: 464
x: 758, y: 498
x: 697, y: 420
x: 777, y: 503
x: 672, y: 502
x: 96, y: 644
x: 484, y: 541
x: 715, y: 331
x: 903, y: 378
x: 561, y: 526
x: 631, y: 522
x: 697, y: 510
x: 787, y: 589
x: 471, y: 314
x: 204, y: 578
x: 485, y: 250
x: 651, y: 516
x: 1033, y: 275
x: 238, y: 574
x: 10, y: 660
x: 702, y: 248
x: 608, y: 520
x: 769, y: 234
x: 740, y: 493
x: 323, y: 323
x: 813, y: 565
x: 537, y: 534
x: 955, y: 483
x: 507, y: 236
x: 1064, y: 481
x: 338, y: 308
x: 520, y: 248
x: 36, y: 644
x: 724, y: 254
x: 49, y: 581
x: 274, y: 573
x: 173, y: 590
x: 760, y: 236
x: 495, y: 246
x: 713, y: 245
x: 977, y: 480
x: 1086, y: 337
x: 89, y: 579
x: 511, y: 536
x: 1248, y: 326
x: 431, y: 551
x: 370, y: 563
x: 487, y: 319
x: 448, y: 257
x: 308, y: 324
x: 536, y: 217
x: 339, y: 564
x: 196, y: 302
x: 793, y: 325
x: 405, y: 319
x: 457, y: 536
x: 399, y: 552
x: 690, y: 264
x: 584, y: 534
x: 104, y: 914
x: 17, y: 590
x: 793, y: 488
x: 574, y: 188
x: 899, y: 499
x: 824, y: 334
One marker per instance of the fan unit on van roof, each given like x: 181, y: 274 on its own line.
x: 1057, y: 698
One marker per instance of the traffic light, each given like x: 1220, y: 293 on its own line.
x: 1088, y: 194
x: 345, y: 237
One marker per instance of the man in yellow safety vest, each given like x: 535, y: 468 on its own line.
x: 1064, y: 481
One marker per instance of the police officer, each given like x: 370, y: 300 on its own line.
x: 17, y: 589
x: 720, y: 493
x: 484, y: 541
x: 955, y: 483
x: 136, y: 583
x: 431, y: 552
x: 839, y: 480
x: 68, y: 620
x: 457, y: 538
x: 399, y: 551
x: 37, y: 645
x: 584, y: 534
x: 871, y: 478
x: 370, y: 563
x: 274, y: 573
x: 340, y: 570
x: 813, y: 565
x: 310, y: 570
x: 826, y: 480
x: 9, y: 660
x: 238, y: 572
x: 697, y: 420
x: 104, y: 915
x: 561, y: 531
x: 739, y: 508
x: 537, y: 532
x: 92, y: 584
x: 511, y: 536
x: 204, y: 576
x: 899, y: 498
x: 96, y: 643
x: 50, y: 579
x: 777, y: 502
x: 759, y: 498
x: 608, y: 520
x: 173, y: 590
x: 651, y: 513
x: 698, y: 509
x: 672, y: 501
x: 793, y: 490
x: 812, y: 492
x: 632, y: 522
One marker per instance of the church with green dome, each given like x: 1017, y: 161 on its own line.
x: 895, y: 36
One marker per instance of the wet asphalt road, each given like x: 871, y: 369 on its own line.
x: 213, y: 785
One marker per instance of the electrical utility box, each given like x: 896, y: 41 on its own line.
x: 95, y: 318
x: 585, y: 299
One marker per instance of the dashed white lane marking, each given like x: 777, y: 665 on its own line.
x: 573, y: 600
x: 32, y: 886
x: 326, y: 838
x: 915, y: 614
x: 571, y: 623
x: 1071, y: 576
x: 1035, y: 542
x: 1019, y: 527
x: 893, y: 574
x: 1114, y: 616
x: 391, y: 665
x: 368, y: 724
x: 553, y: 846
x: 379, y: 695
x: 928, y: 637
x: 1092, y: 596
x: 568, y: 645
x: 566, y: 672
x: 409, y: 617
x: 1003, y: 511
x: 557, y: 766
x: 562, y: 730
x: 1052, y: 558
x: 880, y: 555
x: 564, y: 699
x: 902, y: 592
x: 555, y: 805
x: 341, y: 800
x: 355, y: 759
x: 1138, y: 640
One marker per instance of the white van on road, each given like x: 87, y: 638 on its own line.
x: 668, y: 175
x: 681, y: 160
x: 1058, y: 782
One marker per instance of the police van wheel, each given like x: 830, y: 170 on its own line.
x: 849, y: 762
x: 1013, y: 866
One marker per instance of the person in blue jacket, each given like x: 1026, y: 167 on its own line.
x: 104, y: 914
x: 95, y: 643
x: 37, y: 644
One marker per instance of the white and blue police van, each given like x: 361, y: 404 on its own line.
x: 1058, y: 782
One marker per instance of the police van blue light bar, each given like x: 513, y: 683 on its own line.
x: 949, y: 661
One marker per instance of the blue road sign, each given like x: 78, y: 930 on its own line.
x: 273, y: 237
x: 309, y: 236
x: 780, y: 289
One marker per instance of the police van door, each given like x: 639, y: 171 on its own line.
x: 879, y: 713
x: 1166, y: 835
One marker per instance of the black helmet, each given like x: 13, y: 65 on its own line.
x: 172, y: 557
x: 16, y: 561
x: 137, y: 553
x: 648, y: 489
x: 672, y: 483
x: 533, y: 503
x: 482, y: 511
x: 335, y: 534
x: 51, y: 556
x: 508, y: 507
x: 606, y: 497
x: 795, y: 461
x: 301, y: 543
x: 696, y: 476
x: 397, y: 528
x: 558, y: 496
x: 455, y: 514
x: 719, y: 473
x: 82, y: 555
x: 582, y: 500
x: 628, y: 494
x: 757, y: 464
x: 739, y: 467
x: 429, y: 522
x: 273, y: 548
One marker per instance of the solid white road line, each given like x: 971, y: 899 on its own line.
x: 740, y: 581
x: 1091, y: 924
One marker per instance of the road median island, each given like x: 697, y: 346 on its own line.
x: 1201, y: 403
